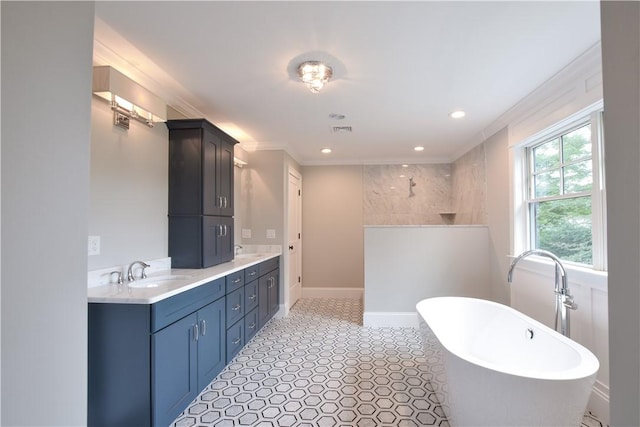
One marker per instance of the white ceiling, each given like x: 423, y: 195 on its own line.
x: 399, y: 68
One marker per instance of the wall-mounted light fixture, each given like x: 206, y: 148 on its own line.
x: 240, y: 156
x: 314, y: 74
x: 128, y: 99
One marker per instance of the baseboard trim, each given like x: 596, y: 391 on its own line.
x: 383, y: 319
x: 599, y: 402
x: 340, y: 293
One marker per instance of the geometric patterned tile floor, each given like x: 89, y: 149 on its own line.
x: 319, y: 367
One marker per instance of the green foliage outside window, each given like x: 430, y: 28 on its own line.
x: 560, y: 206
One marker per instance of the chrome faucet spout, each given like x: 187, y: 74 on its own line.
x: 143, y: 275
x: 564, y: 300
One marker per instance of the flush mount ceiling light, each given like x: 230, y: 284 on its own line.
x: 128, y: 99
x: 326, y: 150
x: 419, y: 148
x: 458, y: 114
x: 314, y: 74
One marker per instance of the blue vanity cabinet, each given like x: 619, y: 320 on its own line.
x: 147, y: 362
x: 186, y: 356
x: 268, y: 292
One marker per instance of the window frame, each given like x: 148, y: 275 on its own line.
x: 524, y: 231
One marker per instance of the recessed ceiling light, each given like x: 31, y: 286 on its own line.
x: 419, y: 148
x: 458, y: 114
x: 405, y: 166
x: 326, y: 150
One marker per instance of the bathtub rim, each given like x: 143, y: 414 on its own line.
x: 588, y: 366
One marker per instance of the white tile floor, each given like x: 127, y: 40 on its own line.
x: 320, y: 367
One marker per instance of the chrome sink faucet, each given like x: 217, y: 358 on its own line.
x: 564, y: 300
x: 144, y: 265
x: 237, y: 249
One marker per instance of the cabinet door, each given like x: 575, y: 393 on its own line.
x: 274, y: 303
x: 211, y: 342
x: 263, y: 300
x: 217, y: 240
x: 225, y: 240
x: 185, y: 172
x: 211, y: 202
x: 174, y: 376
x: 225, y: 178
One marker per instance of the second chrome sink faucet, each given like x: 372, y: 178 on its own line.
x: 143, y: 275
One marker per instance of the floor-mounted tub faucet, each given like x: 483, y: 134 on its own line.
x: 564, y: 300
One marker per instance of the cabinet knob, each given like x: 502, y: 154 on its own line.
x: 290, y: 247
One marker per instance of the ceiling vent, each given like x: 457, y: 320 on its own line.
x: 341, y: 129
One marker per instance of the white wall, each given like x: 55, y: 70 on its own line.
x: 405, y: 264
x: 129, y: 189
x: 332, y: 217
x: 621, y: 70
x: 497, y: 205
x: 46, y: 95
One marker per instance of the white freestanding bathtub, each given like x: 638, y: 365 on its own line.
x: 493, y: 366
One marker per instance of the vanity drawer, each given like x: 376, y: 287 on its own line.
x: 235, y: 306
x: 169, y: 310
x: 250, y: 296
x: 235, y: 281
x: 250, y: 325
x: 235, y: 339
x: 268, y: 265
x: 251, y: 273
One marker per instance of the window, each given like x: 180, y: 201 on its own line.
x: 565, y: 193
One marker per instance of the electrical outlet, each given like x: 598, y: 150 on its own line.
x: 94, y: 245
x: 271, y: 233
x: 246, y: 233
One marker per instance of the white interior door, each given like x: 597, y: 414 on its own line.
x: 294, y: 240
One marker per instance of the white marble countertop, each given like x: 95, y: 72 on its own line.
x: 124, y: 294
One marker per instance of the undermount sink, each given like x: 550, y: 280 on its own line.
x: 154, y: 282
x: 247, y: 256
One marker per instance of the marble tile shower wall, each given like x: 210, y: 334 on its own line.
x: 468, y: 188
x: 391, y: 199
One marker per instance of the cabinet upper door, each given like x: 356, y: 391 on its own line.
x: 225, y: 177
x: 210, y: 199
x: 185, y: 172
x: 200, y: 169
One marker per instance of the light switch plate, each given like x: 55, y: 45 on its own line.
x: 246, y: 233
x: 271, y: 233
